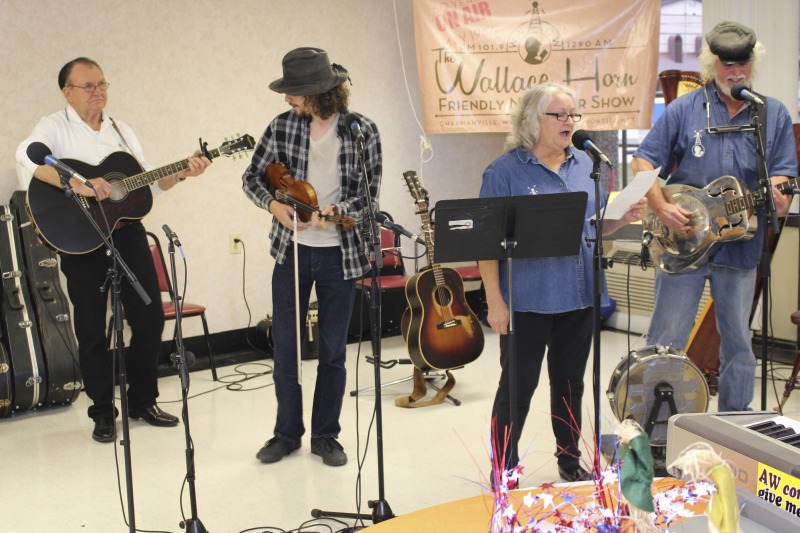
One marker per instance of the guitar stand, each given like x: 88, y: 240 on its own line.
x: 421, y: 380
x: 429, y: 379
x: 664, y: 393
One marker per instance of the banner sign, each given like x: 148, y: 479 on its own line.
x: 779, y: 489
x: 476, y: 58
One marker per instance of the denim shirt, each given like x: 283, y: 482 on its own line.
x: 549, y: 284
x: 680, y: 136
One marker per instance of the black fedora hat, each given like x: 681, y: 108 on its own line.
x: 308, y: 71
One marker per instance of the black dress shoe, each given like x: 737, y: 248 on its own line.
x: 573, y: 472
x: 103, y: 430
x: 154, y: 416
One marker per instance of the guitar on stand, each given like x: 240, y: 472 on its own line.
x: 441, y: 330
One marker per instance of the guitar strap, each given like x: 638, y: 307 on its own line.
x: 123, y: 140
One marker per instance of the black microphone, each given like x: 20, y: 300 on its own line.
x: 171, y: 235
x: 740, y: 91
x: 582, y: 141
x: 40, y: 154
x: 384, y: 221
x: 353, y: 122
x: 647, y: 238
x: 188, y: 358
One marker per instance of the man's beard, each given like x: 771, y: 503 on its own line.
x: 724, y: 88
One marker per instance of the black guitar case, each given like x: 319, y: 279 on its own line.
x: 20, y: 332
x: 60, y: 348
x: 6, y: 392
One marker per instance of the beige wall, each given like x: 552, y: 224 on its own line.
x: 183, y: 69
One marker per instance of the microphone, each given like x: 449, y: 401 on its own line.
x: 171, y: 236
x: 740, y: 91
x: 647, y: 238
x: 40, y: 154
x: 354, y: 123
x: 582, y: 141
x: 384, y: 221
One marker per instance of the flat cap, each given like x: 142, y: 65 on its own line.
x: 731, y: 42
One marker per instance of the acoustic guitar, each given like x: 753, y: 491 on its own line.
x: 441, y: 330
x: 61, y: 222
x: 720, y: 212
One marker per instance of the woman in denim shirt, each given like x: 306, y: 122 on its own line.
x: 553, y: 296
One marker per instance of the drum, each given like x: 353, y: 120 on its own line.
x: 653, y: 383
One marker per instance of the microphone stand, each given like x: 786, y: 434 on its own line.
x: 599, y: 264
x: 114, y: 278
x: 770, y: 220
x: 380, y: 507
x: 182, y: 359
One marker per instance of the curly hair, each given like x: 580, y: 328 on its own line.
x: 530, y: 111
x: 330, y: 102
x: 66, y: 70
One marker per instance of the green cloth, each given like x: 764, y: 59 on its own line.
x: 636, y: 472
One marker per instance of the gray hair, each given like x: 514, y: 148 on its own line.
x: 530, y: 112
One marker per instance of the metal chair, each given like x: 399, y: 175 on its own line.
x: 188, y: 310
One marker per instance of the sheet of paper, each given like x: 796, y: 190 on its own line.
x: 630, y: 194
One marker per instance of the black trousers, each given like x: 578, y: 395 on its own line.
x: 85, y: 275
x: 566, y: 338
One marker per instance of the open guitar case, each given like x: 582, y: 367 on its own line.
x: 37, y: 333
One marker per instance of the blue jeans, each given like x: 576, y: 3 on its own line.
x: 322, y: 268
x: 677, y: 298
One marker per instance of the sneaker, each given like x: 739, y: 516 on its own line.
x: 276, y: 449
x: 330, y: 450
x: 573, y: 472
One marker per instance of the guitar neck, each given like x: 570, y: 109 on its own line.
x: 751, y: 200
x: 151, y: 176
x: 426, y: 230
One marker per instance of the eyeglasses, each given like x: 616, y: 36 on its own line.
x: 562, y: 117
x: 89, y: 88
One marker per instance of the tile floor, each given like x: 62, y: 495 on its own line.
x: 54, y: 477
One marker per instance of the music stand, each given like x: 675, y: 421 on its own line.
x: 504, y: 228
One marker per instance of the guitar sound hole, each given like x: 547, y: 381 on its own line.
x: 443, y: 297
x: 118, y: 190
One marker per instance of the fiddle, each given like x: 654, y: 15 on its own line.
x: 300, y: 195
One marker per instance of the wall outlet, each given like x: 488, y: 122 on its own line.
x: 235, y: 243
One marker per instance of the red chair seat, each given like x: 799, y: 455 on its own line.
x: 386, y: 282
x: 188, y: 309
x: 469, y: 273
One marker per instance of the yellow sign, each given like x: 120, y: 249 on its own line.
x: 779, y: 489
x: 476, y: 58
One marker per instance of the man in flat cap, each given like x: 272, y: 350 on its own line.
x: 703, y: 135
x: 316, y: 145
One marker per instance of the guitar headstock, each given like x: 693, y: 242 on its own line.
x: 419, y: 194
x: 230, y: 148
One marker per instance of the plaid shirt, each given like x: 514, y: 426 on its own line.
x: 286, y: 140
